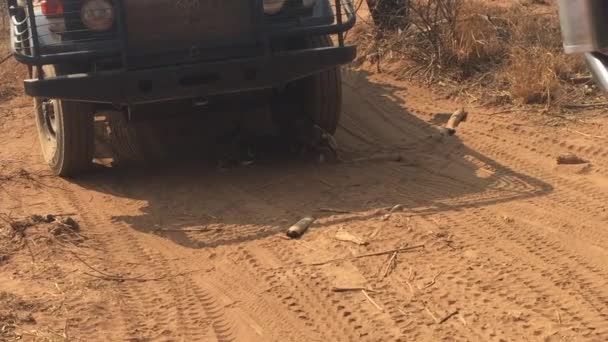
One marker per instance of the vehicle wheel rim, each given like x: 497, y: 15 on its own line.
x: 49, y: 117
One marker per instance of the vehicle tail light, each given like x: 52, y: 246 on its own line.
x: 51, y: 8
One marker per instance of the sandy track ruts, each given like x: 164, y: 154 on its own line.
x: 515, y: 244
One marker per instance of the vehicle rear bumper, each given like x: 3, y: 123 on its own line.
x: 128, y: 87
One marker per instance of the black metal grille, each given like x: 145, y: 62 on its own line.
x: 41, y: 39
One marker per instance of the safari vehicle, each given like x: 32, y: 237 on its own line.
x: 142, y: 56
x: 585, y: 31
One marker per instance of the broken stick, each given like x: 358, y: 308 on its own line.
x: 343, y: 235
x: 458, y: 117
x: 450, y: 127
x: 404, y: 249
x: 559, y: 317
x: 411, y: 287
x: 372, y: 301
x: 448, y: 316
x: 337, y: 211
x: 390, y: 266
x: 432, y: 282
x: 348, y: 289
x: 432, y: 315
x: 392, y: 211
x: 391, y: 157
x: 191, y: 230
x: 464, y: 322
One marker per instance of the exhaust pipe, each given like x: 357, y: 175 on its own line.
x: 598, y: 64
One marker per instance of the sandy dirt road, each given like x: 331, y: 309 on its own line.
x: 515, y: 247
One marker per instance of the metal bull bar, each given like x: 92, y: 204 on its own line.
x: 40, y: 38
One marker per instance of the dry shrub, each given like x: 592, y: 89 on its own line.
x: 485, y: 48
x: 12, y: 73
x: 475, y: 46
x: 538, y: 75
x: 434, y: 30
x: 443, y: 38
x: 530, y: 76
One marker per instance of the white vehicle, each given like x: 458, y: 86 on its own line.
x: 585, y: 30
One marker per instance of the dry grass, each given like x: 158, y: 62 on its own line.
x: 497, y: 53
x: 12, y: 73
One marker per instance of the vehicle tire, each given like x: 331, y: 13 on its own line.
x: 324, y: 92
x: 65, y: 131
x: 317, y: 97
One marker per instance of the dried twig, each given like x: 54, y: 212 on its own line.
x: 371, y: 300
x: 411, y: 287
x: 581, y: 79
x: 349, y: 289
x: 343, y: 235
x: 587, y: 135
x: 390, y: 265
x: 432, y: 282
x: 392, y: 211
x: 405, y: 249
x: 375, y: 233
x: 410, y: 277
x: 123, y: 279
x: 585, y: 105
x: 461, y: 318
x: 390, y: 157
x: 91, y: 267
x: 558, y: 316
x: 65, y: 330
x: 30, y: 250
x: 6, y: 58
x: 328, y: 184
x: 119, y: 278
x: 448, y: 316
x: 338, y: 211
x: 201, y: 229
x: 411, y: 274
x: 512, y: 110
x: 431, y: 314
x: 141, y: 278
